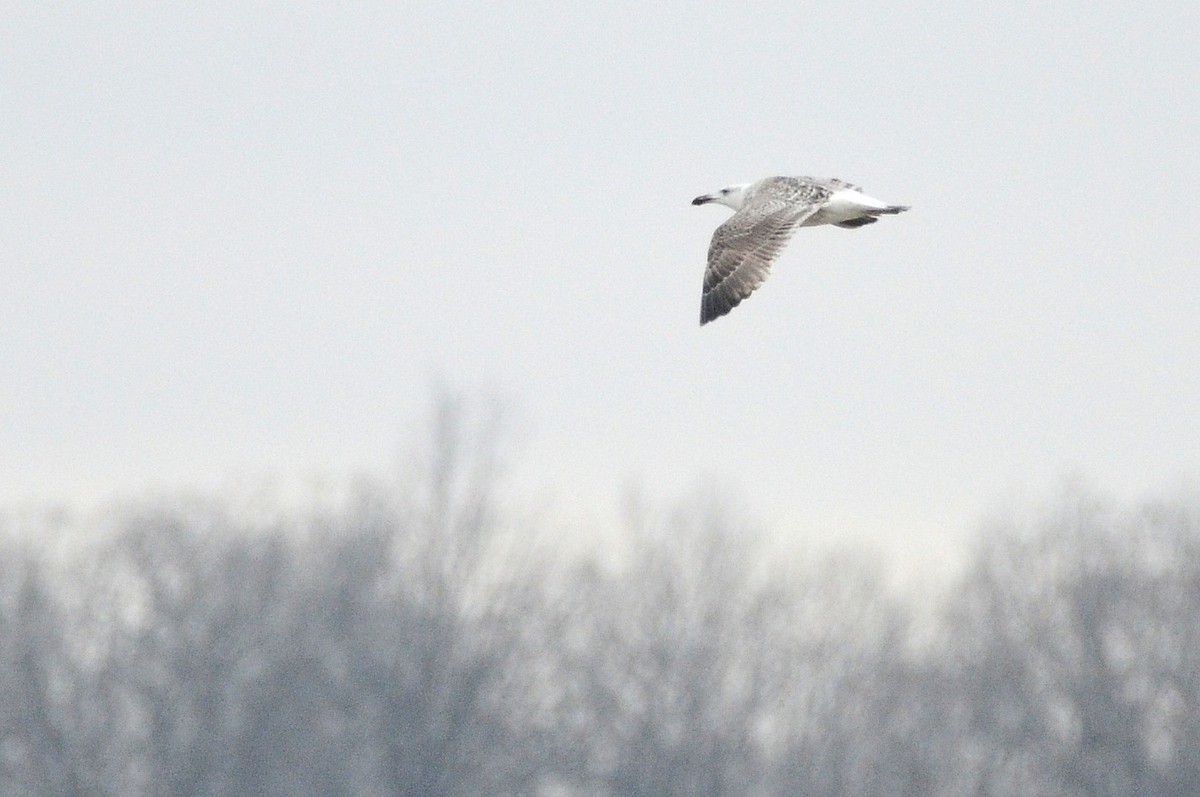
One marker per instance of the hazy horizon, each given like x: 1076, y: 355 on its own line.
x: 243, y: 244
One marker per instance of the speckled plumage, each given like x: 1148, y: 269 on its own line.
x: 768, y: 213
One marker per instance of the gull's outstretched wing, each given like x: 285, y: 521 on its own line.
x: 743, y: 249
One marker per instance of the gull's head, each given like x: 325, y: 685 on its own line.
x: 734, y: 196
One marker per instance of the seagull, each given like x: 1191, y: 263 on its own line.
x: 767, y: 213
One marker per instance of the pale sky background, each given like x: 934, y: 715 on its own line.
x: 242, y: 241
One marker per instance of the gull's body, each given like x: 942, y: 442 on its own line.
x: 767, y: 214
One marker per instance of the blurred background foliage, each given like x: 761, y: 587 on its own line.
x: 421, y: 639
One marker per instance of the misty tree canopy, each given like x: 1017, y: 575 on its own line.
x: 403, y: 645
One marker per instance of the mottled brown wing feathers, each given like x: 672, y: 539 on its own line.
x: 741, y: 254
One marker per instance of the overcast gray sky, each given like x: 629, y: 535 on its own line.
x: 242, y: 240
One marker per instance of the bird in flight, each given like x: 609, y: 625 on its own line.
x: 767, y: 214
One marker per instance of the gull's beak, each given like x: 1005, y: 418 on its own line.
x: 700, y: 200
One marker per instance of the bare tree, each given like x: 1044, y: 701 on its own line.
x: 381, y: 650
x: 205, y: 646
x: 403, y: 644
x: 664, y: 686
x: 860, y: 713
x: 430, y: 616
x: 44, y: 749
x: 1079, y: 653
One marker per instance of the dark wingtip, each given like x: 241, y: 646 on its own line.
x: 711, y: 309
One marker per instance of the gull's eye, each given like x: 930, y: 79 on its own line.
x: 724, y: 190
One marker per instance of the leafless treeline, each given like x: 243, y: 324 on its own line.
x: 405, y: 646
